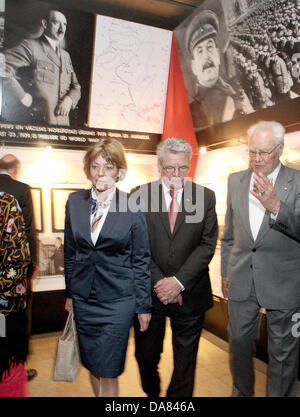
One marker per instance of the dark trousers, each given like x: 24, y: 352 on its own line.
x: 186, y: 331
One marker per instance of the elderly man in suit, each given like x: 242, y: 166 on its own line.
x: 260, y: 262
x: 182, y: 227
x: 40, y: 76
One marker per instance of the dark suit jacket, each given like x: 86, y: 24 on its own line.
x: 22, y: 193
x: 187, y: 252
x: 119, y: 264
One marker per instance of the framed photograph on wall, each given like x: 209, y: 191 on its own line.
x: 26, y: 25
x: 59, y: 197
x: 241, y: 64
x: 51, y: 251
x: 37, y: 201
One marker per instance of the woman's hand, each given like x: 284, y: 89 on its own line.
x: 69, y: 304
x: 144, y: 320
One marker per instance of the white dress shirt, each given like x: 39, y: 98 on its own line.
x: 256, y: 209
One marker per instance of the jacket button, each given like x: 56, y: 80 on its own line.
x: 253, y: 250
x: 251, y: 266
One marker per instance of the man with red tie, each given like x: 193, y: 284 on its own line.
x: 183, y: 229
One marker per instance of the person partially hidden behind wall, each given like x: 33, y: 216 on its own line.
x: 40, y: 78
x: 260, y: 263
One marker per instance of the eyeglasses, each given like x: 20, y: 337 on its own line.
x: 106, y: 168
x: 171, y: 170
x: 263, y: 154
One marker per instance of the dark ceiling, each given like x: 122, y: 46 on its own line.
x: 165, y: 14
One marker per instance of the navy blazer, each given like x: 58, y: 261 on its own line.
x: 118, y: 265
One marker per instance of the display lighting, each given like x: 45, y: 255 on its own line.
x: 49, y: 169
x: 203, y: 150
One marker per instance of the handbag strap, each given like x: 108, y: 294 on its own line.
x: 69, y: 323
x: 73, y: 323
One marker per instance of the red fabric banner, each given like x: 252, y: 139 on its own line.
x: 178, y: 119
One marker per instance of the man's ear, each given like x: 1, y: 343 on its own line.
x: 194, y: 71
x: 159, y: 167
x: 14, y: 172
x: 44, y: 23
x: 280, y: 149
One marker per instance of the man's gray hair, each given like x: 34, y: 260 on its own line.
x: 173, y: 145
x: 276, y: 127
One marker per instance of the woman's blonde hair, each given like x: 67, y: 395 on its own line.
x: 112, y: 151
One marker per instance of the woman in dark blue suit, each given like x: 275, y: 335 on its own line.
x: 107, y: 270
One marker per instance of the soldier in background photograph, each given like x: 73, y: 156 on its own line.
x: 267, y: 37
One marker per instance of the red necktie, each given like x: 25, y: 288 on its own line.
x: 173, y: 210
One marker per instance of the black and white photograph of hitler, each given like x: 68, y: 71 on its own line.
x: 239, y: 57
x: 48, y: 56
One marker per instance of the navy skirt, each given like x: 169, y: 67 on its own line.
x: 103, y: 331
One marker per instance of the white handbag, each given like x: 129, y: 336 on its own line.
x: 67, y: 360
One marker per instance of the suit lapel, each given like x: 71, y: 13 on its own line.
x: 283, y: 184
x: 49, y: 51
x: 85, y: 215
x: 163, y: 212
x: 282, y: 187
x: 179, y: 219
x: 243, y: 201
x: 187, y: 194
x: 264, y: 227
x: 113, y: 214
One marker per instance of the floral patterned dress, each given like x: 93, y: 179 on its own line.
x: 14, y: 261
x: 14, y: 256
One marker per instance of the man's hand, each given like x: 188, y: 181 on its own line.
x: 167, y: 290
x: 264, y: 191
x: 27, y: 100
x: 144, y: 320
x: 64, y: 106
x: 225, y: 283
x: 177, y: 299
